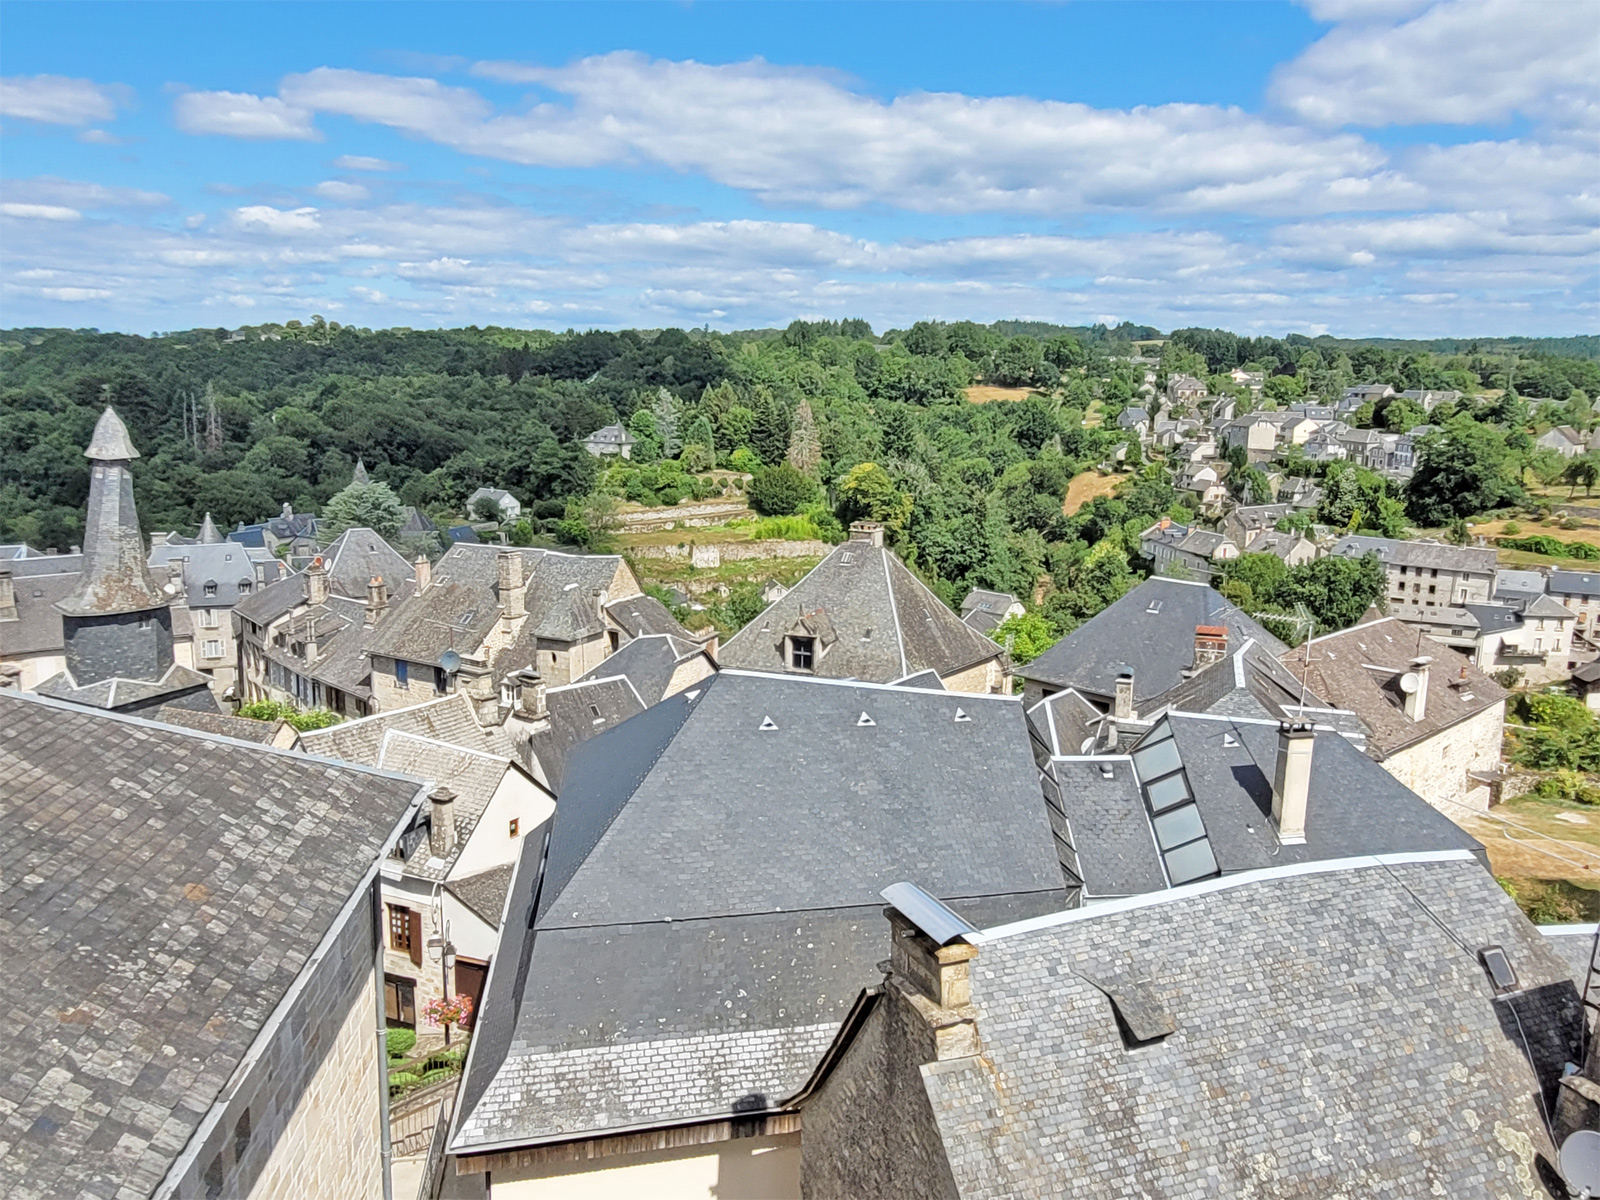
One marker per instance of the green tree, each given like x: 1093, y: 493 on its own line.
x: 867, y: 493
x: 1336, y: 590
x: 371, y: 506
x: 780, y: 491
x: 1583, y: 470
x: 1463, y: 469
x: 1025, y: 637
x: 1017, y: 363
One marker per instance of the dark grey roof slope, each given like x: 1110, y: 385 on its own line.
x: 1149, y: 631
x: 484, y: 893
x: 1107, y: 828
x: 1430, y: 555
x: 1064, y: 723
x: 1574, y: 945
x: 224, y: 725
x: 640, y: 616
x: 37, y: 629
x: 579, y: 712
x: 218, y: 574
x: 766, y: 848
x: 884, y: 623
x: 351, y: 560
x: 1335, y: 1035
x: 1574, y: 583
x: 178, y: 685
x: 648, y: 663
x: 164, y: 888
x: 1250, y: 682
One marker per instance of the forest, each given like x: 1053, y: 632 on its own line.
x: 830, y: 422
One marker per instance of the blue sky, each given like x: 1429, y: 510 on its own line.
x: 1400, y: 167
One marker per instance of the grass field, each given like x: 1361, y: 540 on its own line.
x: 1556, y: 876
x: 1086, y: 486
x: 984, y: 393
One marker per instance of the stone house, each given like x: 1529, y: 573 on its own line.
x: 860, y: 614
x: 1256, y: 433
x: 1580, y: 592
x: 32, y: 640
x: 985, y: 611
x: 1294, y: 548
x: 1243, y: 522
x: 1425, y: 578
x: 1535, y: 637
x: 1205, y: 480
x: 1564, y: 440
x: 999, y: 1061
x: 507, y: 506
x: 200, y: 1011
x: 1434, y: 720
x: 612, y: 440
x: 1365, y: 393
x: 500, y: 610
x: 1185, y: 389
x: 1431, y: 398
x: 303, y: 640
x: 1177, y: 548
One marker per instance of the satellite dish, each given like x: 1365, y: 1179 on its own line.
x: 1580, y: 1162
x: 450, y: 661
x: 1410, y: 682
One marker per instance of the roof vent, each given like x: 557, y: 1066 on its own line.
x: 1107, y: 771
x: 1229, y: 740
x: 1155, y: 607
x: 768, y: 723
x: 1142, y: 1019
x: 864, y: 720
x: 961, y: 715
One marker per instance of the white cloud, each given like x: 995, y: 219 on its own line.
x: 361, y: 162
x: 241, y: 115
x: 57, y: 100
x: 40, y: 212
x: 335, y: 189
x: 73, y: 193
x: 99, y: 137
x: 276, y: 220
x: 1458, y: 62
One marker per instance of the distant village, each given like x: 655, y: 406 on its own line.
x: 526, y: 889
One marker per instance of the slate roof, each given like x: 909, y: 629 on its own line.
x: 641, y: 615
x: 124, y: 693
x: 980, y: 598
x: 1574, y: 583
x: 579, y: 712
x: 1106, y: 827
x: 1149, y: 631
x: 888, y: 624
x: 648, y: 663
x: 484, y: 893
x: 1511, y: 586
x: 1064, y: 722
x: 1335, y: 1035
x: 693, y: 811
x: 241, y: 729
x: 237, y: 571
x: 351, y: 560
x: 1251, y: 682
x: 462, y: 604
x: 448, y: 719
x: 37, y: 629
x: 1573, y: 944
x: 115, y: 578
x: 1341, y: 670
x: 165, y: 888
x: 1431, y: 555
x: 1186, y: 539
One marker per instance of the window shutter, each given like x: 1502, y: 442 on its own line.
x: 415, y: 918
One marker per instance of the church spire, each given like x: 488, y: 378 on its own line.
x: 361, y: 472
x: 115, y: 578
x: 210, y: 535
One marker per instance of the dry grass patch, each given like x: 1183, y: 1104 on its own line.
x: 983, y: 393
x: 1086, y: 486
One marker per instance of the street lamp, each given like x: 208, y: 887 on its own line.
x: 448, y: 962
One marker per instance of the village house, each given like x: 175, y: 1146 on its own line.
x: 1254, y: 380
x: 1294, y: 548
x: 860, y: 614
x: 1243, y: 522
x: 1431, y: 398
x: 1434, y: 720
x: 32, y: 640
x: 1365, y: 393
x: 1564, y: 440
x: 1124, y: 1049
x: 657, y: 665
x: 200, y: 1009
x: 1184, y: 389
x: 1426, y: 577
x: 611, y: 440
x: 503, y: 504
x: 1535, y: 637
x: 303, y: 640
x: 985, y: 611
x: 1580, y: 592
x: 1181, y: 550
x: 1135, y: 418
x: 1205, y: 480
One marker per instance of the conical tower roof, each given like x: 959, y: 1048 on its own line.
x: 115, y: 578
x: 361, y: 472
x: 210, y: 535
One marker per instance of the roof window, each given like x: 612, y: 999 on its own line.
x: 1501, y: 972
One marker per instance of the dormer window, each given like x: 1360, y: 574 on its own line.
x: 802, y: 653
x: 211, y: 587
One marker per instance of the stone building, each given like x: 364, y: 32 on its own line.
x: 303, y: 640
x: 613, y: 439
x: 192, y: 962
x: 860, y: 614
x: 1339, y: 1029
x: 1185, y: 549
x: 701, y: 927
x: 1429, y: 583
x: 1434, y: 720
x: 32, y: 645
x: 117, y: 626
x: 986, y: 611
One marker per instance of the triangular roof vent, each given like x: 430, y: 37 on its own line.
x: 865, y: 720
x: 768, y: 723
x: 961, y: 715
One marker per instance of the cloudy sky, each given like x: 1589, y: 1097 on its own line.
x: 1360, y: 167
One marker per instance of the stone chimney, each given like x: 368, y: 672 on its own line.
x: 317, y: 582
x: 1417, y: 699
x: 377, y: 599
x: 937, y: 981
x: 477, y: 681
x: 158, y: 539
x: 866, y: 531
x: 513, y: 589
x: 424, y: 570
x: 1122, y: 702
x: 532, y: 704
x: 8, y: 596
x: 1164, y: 523
x: 441, y: 822
x: 10, y: 676
x: 1210, y: 645
x: 1291, y: 780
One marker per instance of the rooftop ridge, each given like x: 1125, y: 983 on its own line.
x: 862, y: 683
x: 443, y: 745
x: 1204, y: 887
x: 582, y: 683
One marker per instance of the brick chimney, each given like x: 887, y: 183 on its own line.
x: 377, y: 599
x: 1164, y: 523
x: 441, y: 822
x: 1291, y: 780
x: 1122, y: 701
x: 1210, y: 645
x: 317, y: 582
x: 513, y: 589
x: 866, y: 531
x: 424, y: 570
x: 1417, y: 700
x: 8, y: 596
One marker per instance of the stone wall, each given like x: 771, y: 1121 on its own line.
x: 698, y: 514
x: 1437, y: 769
x: 305, y: 1122
x: 746, y: 1168
x: 735, y: 551
x: 985, y: 677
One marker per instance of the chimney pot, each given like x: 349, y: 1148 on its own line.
x: 377, y: 598
x: 1122, y: 703
x: 513, y: 590
x: 441, y: 822
x: 317, y: 582
x: 531, y: 696
x: 1417, y: 702
x: 1291, y: 782
x: 424, y: 571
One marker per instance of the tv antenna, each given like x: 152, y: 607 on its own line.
x: 1302, y: 625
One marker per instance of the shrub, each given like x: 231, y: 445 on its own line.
x: 781, y: 491
x: 744, y: 459
x: 1511, y: 529
x: 399, y: 1081
x: 1569, y: 786
x: 313, y: 718
x: 1571, y: 523
x: 266, y: 710
x: 400, y: 1042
